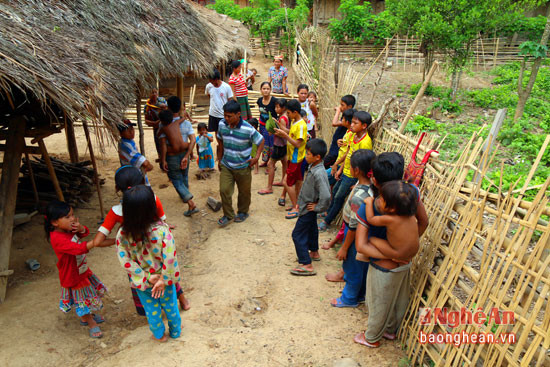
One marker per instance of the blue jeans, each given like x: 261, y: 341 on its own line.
x: 178, y: 176
x: 340, y: 192
x: 153, y: 309
x: 355, y: 276
x: 306, y: 237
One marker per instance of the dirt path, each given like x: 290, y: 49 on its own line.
x: 247, y: 309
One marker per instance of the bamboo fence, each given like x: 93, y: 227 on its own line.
x: 481, y: 251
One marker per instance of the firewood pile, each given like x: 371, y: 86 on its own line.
x: 76, y: 181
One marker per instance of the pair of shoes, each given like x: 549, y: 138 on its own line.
x: 301, y: 271
x: 322, y: 226
x: 281, y: 202
x: 97, y: 318
x: 241, y: 217
x: 340, y: 304
x: 292, y: 215
x: 190, y: 212
x: 223, y: 221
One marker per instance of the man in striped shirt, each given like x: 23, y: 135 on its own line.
x: 235, y: 140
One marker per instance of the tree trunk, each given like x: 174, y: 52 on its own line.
x: 455, y: 83
x: 524, y: 93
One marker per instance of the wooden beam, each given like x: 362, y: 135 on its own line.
x: 8, y: 194
x: 179, y: 87
x: 94, y: 165
x: 27, y: 149
x: 140, y: 123
x: 71, y: 139
x: 51, y: 170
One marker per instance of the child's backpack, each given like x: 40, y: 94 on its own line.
x: 415, y: 171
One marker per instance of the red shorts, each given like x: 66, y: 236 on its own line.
x: 294, y: 173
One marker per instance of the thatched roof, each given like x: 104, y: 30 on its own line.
x: 87, y: 55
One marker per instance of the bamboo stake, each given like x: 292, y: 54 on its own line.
x: 496, y: 53
x: 33, y: 181
x: 51, y: 170
x: 94, y: 165
x: 139, y: 122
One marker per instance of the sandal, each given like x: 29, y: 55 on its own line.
x: 360, y: 339
x: 241, y: 217
x: 292, y: 215
x: 190, y: 212
x: 301, y: 271
x: 322, y: 226
x: 95, y: 330
x: 223, y: 221
x: 281, y: 202
x: 265, y: 192
x: 340, y: 304
x: 97, y: 318
x: 280, y: 183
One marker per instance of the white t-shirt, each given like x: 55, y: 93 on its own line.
x: 218, y: 97
x: 310, y: 117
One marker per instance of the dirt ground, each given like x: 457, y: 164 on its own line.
x: 246, y: 308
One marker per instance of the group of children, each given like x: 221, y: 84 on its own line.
x: 383, y: 217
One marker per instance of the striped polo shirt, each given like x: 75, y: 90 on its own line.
x: 237, y: 143
x: 240, y: 85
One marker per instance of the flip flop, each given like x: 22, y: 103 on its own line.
x: 189, y: 213
x: 241, y: 217
x: 322, y: 226
x: 281, y: 202
x: 360, y: 339
x: 301, y: 271
x: 315, y: 258
x: 97, y: 318
x: 265, y: 192
x: 223, y: 221
x: 340, y: 304
x: 278, y: 184
x: 95, y: 330
x: 292, y: 215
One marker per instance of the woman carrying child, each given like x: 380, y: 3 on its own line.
x: 146, y: 250
x: 204, y: 148
x: 240, y: 92
x: 266, y: 104
x: 80, y: 287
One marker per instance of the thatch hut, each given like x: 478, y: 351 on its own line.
x: 62, y: 61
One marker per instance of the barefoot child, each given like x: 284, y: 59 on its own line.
x: 314, y: 198
x: 146, y: 250
x: 312, y: 104
x: 80, y: 287
x: 296, y: 139
x: 240, y: 92
x: 127, y: 150
x: 204, y: 148
x: 127, y: 177
x: 346, y: 103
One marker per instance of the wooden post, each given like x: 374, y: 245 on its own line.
x: 71, y: 139
x: 489, y: 142
x: 33, y: 181
x: 179, y: 87
x: 139, y: 122
x: 495, y: 55
x: 94, y: 165
x: 51, y: 170
x: 337, y: 66
x: 418, y: 97
x: 15, y: 144
x: 223, y: 69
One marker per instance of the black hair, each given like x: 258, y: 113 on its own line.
x: 215, y: 75
x: 317, y: 147
x: 348, y: 114
x: 293, y: 105
x: 140, y: 207
x: 235, y: 64
x: 303, y: 113
x: 56, y: 209
x: 264, y: 83
x: 400, y: 196
x: 388, y: 166
x: 201, y: 125
x: 302, y: 86
x: 349, y: 100
x: 232, y: 106
x: 166, y: 117
x: 362, y: 159
x: 281, y: 102
x: 127, y: 177
x: 254, y: 122
x: 174, y: 104
x: 364, y: 117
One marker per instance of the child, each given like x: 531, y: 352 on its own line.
x: 312, y: 100
x: 146, y: 250
x: 355, y: 272
x: 80, y: 287
x: 360, y: 140
x: 314, y: 198
x: 347, y: 102
x: 388, y: 280
x: 279, y: 152
x: 296, y: 139
x: 347, y: 117
x: 303, y: 91
x: 127, y: 177
x: 254, y: 123
x: 251, y: 78
x: 127, y: 150
x: 238, y: 87
x: 266, y: 104
x: 204, y: 148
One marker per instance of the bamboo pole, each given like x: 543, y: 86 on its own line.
x: 418, y: 97
x: 33, y: 181
x: 139, y: 122
x: 179, y: 87
x: 51, y: 170
x: 495, y: 56
x: 94, y: 165
x: 72, y: 147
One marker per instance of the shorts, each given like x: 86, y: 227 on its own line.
x: 294, y: 173
x: 278, y: 153
x: 213, y: 123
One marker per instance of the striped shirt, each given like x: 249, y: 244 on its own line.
x: 240, y: 85
x: 130, y: 156
x: 237, y: 143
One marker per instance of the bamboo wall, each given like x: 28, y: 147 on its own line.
x: 480, y: 251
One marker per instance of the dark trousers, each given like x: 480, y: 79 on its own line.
x: 340, y: 192
x: 355, y: 275
x: 306, y: 237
